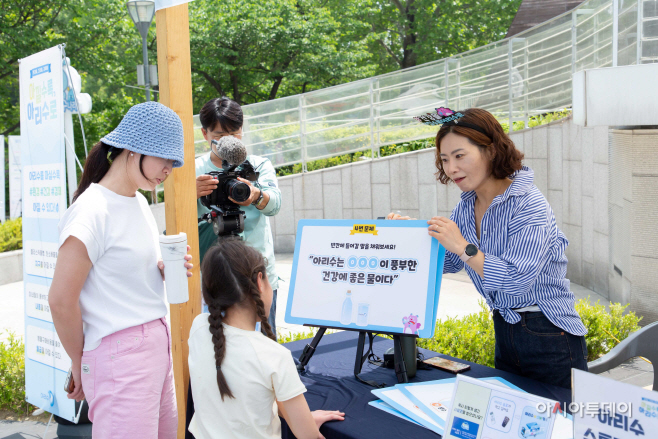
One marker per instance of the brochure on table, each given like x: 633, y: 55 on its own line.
x: 366, y: 275
x: 612, y: 409
x: 433, y: 397
x: 394, y: 397
x: 480, y: 410
x: 427, y: 403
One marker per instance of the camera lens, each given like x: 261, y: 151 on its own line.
x: 238, y: 190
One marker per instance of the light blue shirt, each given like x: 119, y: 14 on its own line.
x: 257, y: 232
x: 524, y: 260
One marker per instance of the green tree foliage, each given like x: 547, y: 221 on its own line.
x: 472, y: 337
x: 605, y: 327
x: 405, y: 33
x: 249, y: 50
x: 12, y: 375
x: 22, y: 26
x: 254, y: 51
x: 101, y: 42
x: 11, y: 235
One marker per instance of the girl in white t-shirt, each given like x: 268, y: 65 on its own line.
x: 107, y: 294
x: 242, y: 381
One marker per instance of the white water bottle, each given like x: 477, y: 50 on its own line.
x: 346, y: 314
x: 174, y: 249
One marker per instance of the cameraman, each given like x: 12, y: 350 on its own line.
x: 221, y: 117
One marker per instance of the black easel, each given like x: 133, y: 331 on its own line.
x: 360, y: 359
x: 309, y: 349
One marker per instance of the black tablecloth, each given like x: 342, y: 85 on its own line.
x: 330, y: 383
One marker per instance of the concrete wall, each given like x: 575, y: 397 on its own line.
x: 571, y: 170
x: 373, y: 188
x: 633, y: 217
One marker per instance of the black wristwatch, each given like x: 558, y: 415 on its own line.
x: 469, y: 252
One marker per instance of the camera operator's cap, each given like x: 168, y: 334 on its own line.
x: 151, y: 129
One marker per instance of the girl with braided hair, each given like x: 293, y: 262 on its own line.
x: 237, y: 373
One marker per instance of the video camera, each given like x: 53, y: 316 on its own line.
x: 225, y: 215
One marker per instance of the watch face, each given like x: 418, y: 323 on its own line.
x: 471, y: 250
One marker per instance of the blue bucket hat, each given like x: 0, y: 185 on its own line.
x: 151, y: 129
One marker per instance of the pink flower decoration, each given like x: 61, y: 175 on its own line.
x: 443, y: 111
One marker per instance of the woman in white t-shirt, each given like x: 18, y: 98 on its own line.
x: 242, y: 381
x: 107, y: 294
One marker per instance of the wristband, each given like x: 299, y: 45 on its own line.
x: 469, y: 252
x: 259, y: 199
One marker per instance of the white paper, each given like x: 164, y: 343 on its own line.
x: 396, y: 396
x: 436, y: 397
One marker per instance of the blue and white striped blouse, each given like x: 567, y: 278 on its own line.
x: 524, y: 260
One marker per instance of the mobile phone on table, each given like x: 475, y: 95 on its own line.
x: 69, y: 384
x: 447, y: 365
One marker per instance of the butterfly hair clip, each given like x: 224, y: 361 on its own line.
x: 445, y: 115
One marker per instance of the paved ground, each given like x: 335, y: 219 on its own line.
x: 458, y: 298
x: 27, y: 429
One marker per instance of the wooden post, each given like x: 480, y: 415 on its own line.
x: 173, y: 32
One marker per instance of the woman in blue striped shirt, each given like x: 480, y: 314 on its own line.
x: 504, y: 233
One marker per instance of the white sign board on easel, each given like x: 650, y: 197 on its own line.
x: 366, y: 275
x: 612, y: 409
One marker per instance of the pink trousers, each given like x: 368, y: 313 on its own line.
x: 128, y: 382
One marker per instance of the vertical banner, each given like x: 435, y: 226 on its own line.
x: 2, y: 180
x: 15, y: 180
x: 44, y: 202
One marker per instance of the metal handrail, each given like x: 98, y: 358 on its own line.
x: 515, y: 78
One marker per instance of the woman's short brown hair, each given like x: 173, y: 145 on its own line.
x: 505, y: 158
